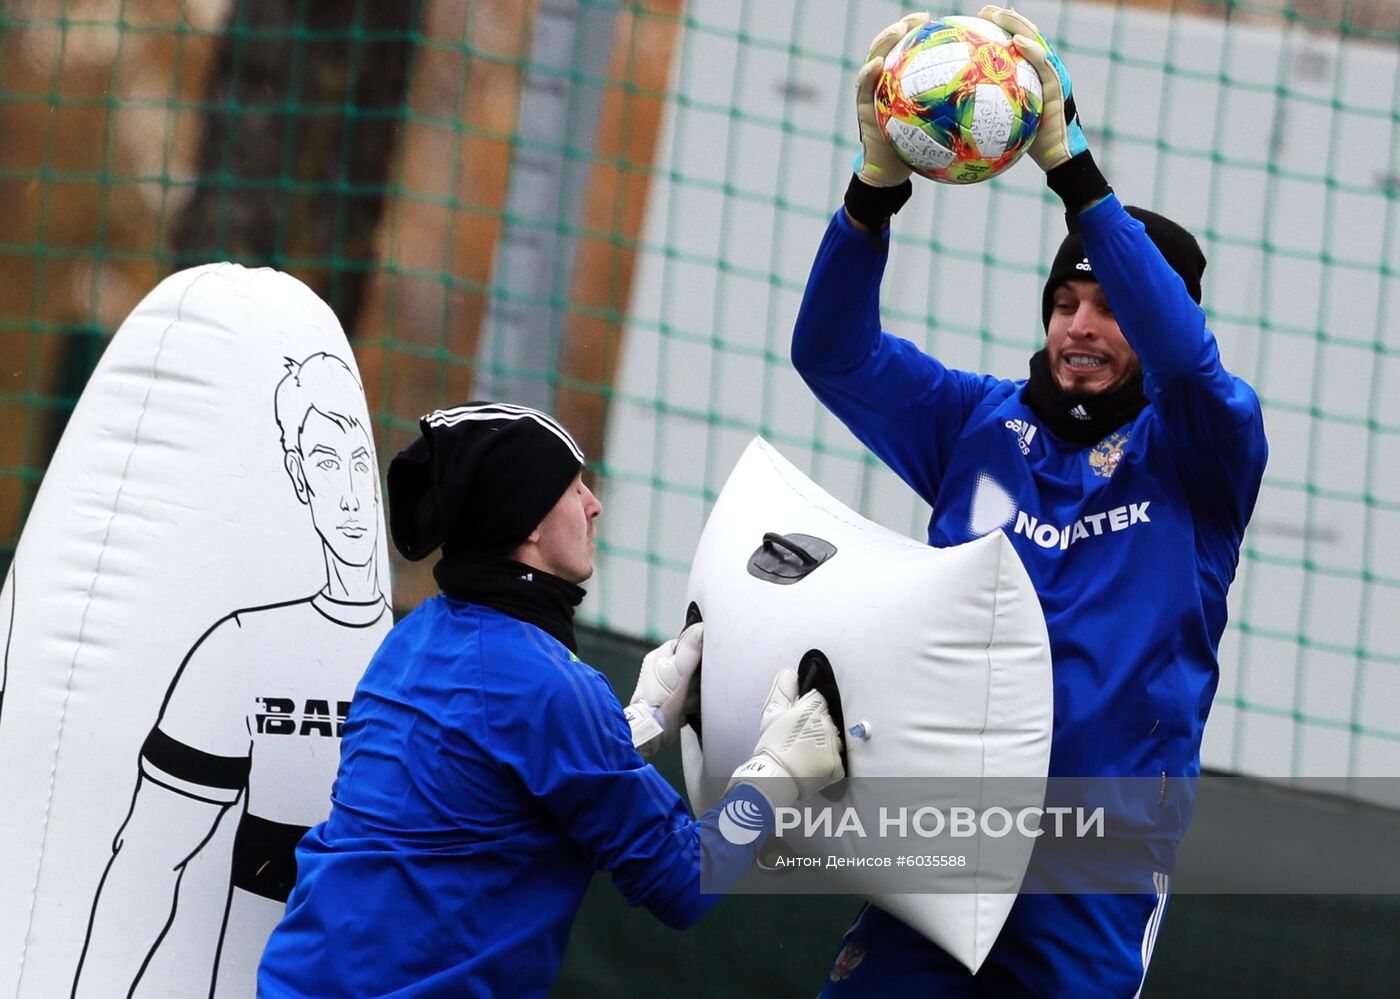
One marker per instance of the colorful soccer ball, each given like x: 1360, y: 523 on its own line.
x: 956, y: 101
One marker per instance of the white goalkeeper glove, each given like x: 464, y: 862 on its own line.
x: 798, y: 751
x: 665, y: 691
x: 1059, y: 137
x: 1059, y: 146
x: 879, y: 166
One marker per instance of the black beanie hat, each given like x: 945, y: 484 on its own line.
x: 1177, y: 245
x: 480, y: 479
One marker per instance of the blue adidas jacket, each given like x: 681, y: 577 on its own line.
x: 1131, y: 543
x: 485, y: 774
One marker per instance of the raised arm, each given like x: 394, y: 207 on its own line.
x: 905, y: 406
x: 1212, y: 419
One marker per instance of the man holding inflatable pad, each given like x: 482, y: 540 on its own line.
x: 486, y: 772
x: 1124, y: 471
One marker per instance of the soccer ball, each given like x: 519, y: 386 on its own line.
x: 956, y: 100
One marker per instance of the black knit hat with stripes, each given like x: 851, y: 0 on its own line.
x: 479, y: 478
x: 1178, y: 246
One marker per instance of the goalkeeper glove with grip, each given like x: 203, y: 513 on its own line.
x: 1059, y: 146
x: 881, y: 183
x: 799, y: 749
x: 667, y: 690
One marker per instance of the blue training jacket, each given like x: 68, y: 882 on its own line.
x: 485, y: 774
x: 1131, y: 543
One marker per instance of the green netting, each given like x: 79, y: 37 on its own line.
x: 609, y: 209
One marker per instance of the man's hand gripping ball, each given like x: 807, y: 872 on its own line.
x: 1059, y: 137
x: 878, y: 165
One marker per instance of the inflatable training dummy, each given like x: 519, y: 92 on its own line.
x: 200, y: 583
x: 936, y: 665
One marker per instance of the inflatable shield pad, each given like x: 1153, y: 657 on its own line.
x: 936, y: 660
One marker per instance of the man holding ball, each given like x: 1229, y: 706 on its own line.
x: 1124, y: 471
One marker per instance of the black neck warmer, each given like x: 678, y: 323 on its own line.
x: 526, y: 594
x: 1081, y: 417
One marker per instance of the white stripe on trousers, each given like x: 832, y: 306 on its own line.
x: 1149, y: 936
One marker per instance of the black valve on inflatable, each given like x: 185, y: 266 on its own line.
x: 814, y: 672
x: 787, y: 558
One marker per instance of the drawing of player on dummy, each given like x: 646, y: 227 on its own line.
x: 254, y: 714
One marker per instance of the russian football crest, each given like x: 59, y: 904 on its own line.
x: 1107, y: 453
x: 847, y: 961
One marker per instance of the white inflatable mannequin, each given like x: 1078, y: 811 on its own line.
x: 941, y: 662
x: 199, y: 585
